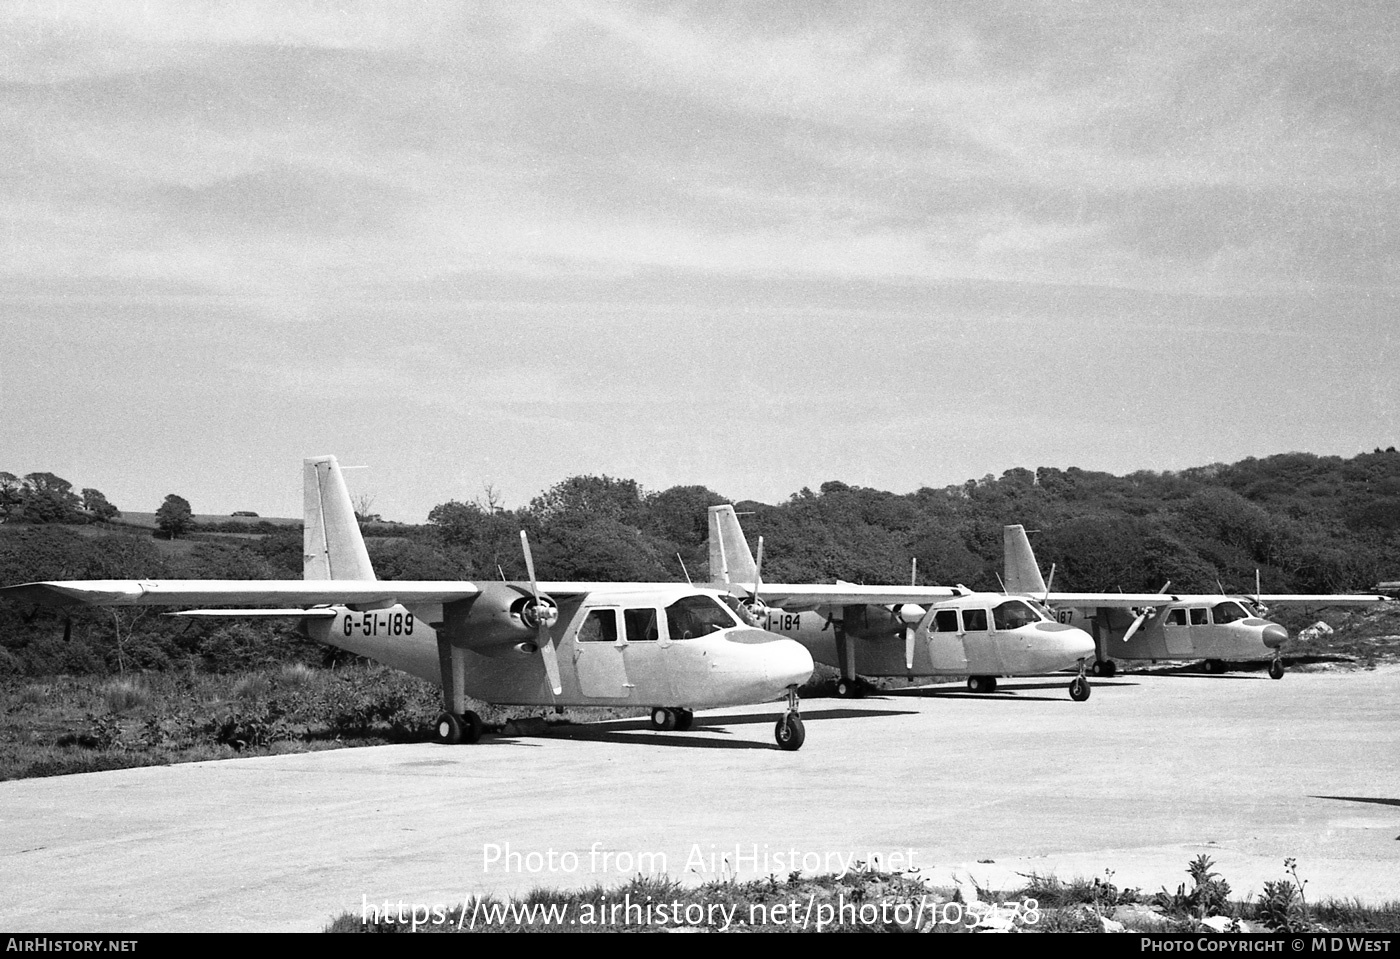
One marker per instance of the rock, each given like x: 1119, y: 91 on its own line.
x: 1110, y: 925
x: 1141, y: 918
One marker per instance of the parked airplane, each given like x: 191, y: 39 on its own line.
x: 672, y: 647
x: 1216, y: 627
x: 903, y: 630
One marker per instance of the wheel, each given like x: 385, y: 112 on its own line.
x: 789, y: 732
x: 1276, y: 669
x: 1079, y: 689
x: 976, y: 684
x: 1110, y: 669
x: 848, y: 688
x: 684, y: 718
x: 663, y: 719
x: 472, y: 727
x: 1098, y: 668
x: 1213, y: 666
x: 449, y: 729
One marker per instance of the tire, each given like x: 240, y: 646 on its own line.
x: 663, y: 720
x: 1110, y: 669
x: 1079, y: 689
x: 1213, y: 666
x: 790, y: 733
x: 1098, y: 668
x: 449, y: 729
x: 684, y: 719
x: 1276, y: 669
x: 845, y: 689
x: 472, y: 728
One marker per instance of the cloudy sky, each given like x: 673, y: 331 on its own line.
x: 753, y: 246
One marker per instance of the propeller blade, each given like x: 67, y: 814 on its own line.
x: 551, y: 661
x: 1136, y: 624
x: 543, y: 640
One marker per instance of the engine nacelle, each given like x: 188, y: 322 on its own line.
x: 502, y: 615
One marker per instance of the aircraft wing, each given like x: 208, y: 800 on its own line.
x: 1317, y: 599
x: 812, y: 595
x: 224, y: 592
x: 1119, y: 600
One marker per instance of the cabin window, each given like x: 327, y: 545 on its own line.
x: 1013, y: 614
x: 641, y: 625
x: 945, y: 621
x: 1199, y: 617
x: 1176, y: 617
x: 599, y: 627
x: 974, y: 620
x: 692, y: 616
x: 1229, y: 613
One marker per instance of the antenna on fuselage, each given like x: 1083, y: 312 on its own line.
x: 914, y: 571
x: 684, y: 570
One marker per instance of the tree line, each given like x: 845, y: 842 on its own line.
x: 1305, y: 523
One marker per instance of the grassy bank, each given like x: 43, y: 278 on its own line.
x: 868, y: 900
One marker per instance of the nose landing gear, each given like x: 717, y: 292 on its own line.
x: 1079, y: 686
x: 789, y: 732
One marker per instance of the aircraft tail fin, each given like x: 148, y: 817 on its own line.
x: 332, y: 547
x: 731, y: 560
x: 1021, y: 574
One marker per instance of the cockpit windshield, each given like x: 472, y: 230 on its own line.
x: 1013, y: 614
x: 1229, y: 612
x: 693, y: 616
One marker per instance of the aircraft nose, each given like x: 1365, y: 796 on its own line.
x: 1275, y: 635
x: 1080, y: 643
x: 788, y: 663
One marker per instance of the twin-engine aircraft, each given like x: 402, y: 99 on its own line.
x: 1218, y: 628
x: 905, y: 630
x: 671, y: 647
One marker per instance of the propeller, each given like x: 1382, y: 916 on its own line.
x: 755, y: 604
x: 1146, y: 611
x: 545, y: 616
x: 1257, y: 597
x: 910, y: 614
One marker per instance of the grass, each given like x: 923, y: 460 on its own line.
x: 862, y: 900
x: 65, y: 724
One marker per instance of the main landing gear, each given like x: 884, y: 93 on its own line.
x: 789, y: 732
x: 849, y: 688
x: 665, y: 720
x: 1106, y: 668
x: 452, y: 729
x: 982, y: 684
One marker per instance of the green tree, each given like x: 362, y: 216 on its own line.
x: 97, y: 507
x: 175, y: 516
x: 46, y: 498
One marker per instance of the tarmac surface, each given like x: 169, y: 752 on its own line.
x: 1152, y: 770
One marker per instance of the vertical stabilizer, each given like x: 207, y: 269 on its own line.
x: 1021, y: 574
x: 731, y: 560
x: 332, y: 547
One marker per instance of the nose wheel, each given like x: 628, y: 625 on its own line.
x: 789, y: 731
x: 1276, y: 669
x: 1079, y: 685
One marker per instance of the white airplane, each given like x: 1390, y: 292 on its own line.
x: 1215, y: 627
x: 671, y: 647
x: 904, y: 630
